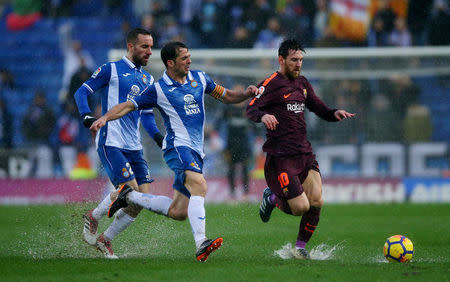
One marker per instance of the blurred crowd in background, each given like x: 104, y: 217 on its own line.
x: 256, y: 23
x: 50, y: 47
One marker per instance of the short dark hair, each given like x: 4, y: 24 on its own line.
x: 289, y: 44
x: 133, y: 34
x: 170, y: 51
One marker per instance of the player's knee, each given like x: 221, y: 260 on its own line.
x: 177, y: 215
x: 197, y: 186
x: 317, y: 202
x: 177, y: 212
x: 199, y: 192
x: 199, y: 181
x: 300, y: 209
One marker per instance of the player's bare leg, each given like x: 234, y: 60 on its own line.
x: 299, y: 205
x: 179, y: 208
x: 310, y: 219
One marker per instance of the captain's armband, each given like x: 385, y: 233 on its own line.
x: 218, y: 92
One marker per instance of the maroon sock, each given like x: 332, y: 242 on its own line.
x: 308, y: 224
x: 281, y: 204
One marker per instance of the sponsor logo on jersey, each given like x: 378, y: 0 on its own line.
x: 126, y: 74
x: 134, y: 91
x: 190, y: 105
x: 194, y: 83
x: 295, y: 107
x: 172, y: 89
x: 285, y: 96
x: 260, y: 91
x: 94, y: 75
x: 195, y: 165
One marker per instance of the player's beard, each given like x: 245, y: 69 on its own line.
x: 293, y: 74
x: 139, y: 61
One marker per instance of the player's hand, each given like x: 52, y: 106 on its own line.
x: 270, y: 121
x: 99, y: 123
x: 251, y: 91
x: 341, y: 114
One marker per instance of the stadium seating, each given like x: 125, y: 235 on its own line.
x: 34, y: 58
x: 436, y: 97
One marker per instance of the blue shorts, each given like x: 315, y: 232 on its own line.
x: 180, y: 159
x: 124, y: 165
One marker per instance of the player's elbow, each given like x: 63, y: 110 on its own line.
x: 123, y: 108
x: 231, y: 98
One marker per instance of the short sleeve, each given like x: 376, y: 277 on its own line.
x: 147, y: 99
x: 99, y: 78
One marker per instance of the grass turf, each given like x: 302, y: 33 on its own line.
x: 44, y: 243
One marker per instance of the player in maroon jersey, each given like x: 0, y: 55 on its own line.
x: 291, y: 170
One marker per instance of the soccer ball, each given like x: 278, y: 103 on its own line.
x: 398, y: 248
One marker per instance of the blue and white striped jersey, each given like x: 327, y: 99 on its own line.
x: 122, y: 81
x: 182, y: 108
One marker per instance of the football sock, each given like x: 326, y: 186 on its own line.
x: 197, y: 218
x: 300, y: 244
x: 102, y: 208
x: 307, y: 226
x: 155, y: 203
x: 121, y: 221
x: 280, y: 203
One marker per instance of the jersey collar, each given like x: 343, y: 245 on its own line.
x: 131, y: 64
x: 169, y: 81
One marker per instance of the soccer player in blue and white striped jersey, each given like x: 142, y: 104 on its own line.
x: 119, y: 143
x: 179, y: 96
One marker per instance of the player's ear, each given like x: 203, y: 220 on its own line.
x: 170, y: 63
x: 130, y: 46
x: 281, y: 60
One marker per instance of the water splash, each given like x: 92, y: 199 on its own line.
x: 378, y: 259
x: 319, y: 252
x: 285, y: 252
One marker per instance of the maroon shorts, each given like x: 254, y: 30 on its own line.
x: 285, y: 175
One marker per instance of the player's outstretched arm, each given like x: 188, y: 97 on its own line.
x: 341, y: 114
x: 235, y: 96
x: 114, y: 113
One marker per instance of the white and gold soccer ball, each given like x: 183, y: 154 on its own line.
x: 398, y: 248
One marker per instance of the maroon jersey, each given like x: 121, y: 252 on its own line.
x: 286, y: 99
